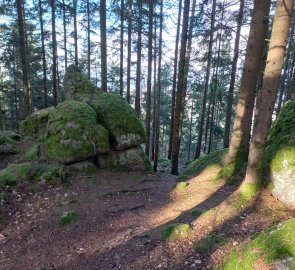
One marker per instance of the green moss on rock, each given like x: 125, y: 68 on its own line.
x: 73, y: 134
x: 16, y: 173
x: 274, y: 244
x: 8, y: 145
x: 34, y: 126
x: 177, y: 231
x: 120, y: 119
x: 78, y: 87
x: 33, y: 153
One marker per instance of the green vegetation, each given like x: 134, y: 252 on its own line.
x: 68, y: 217
x: 198, y: 165
x: 208, y: 243
x: 85, y: 167
x: 176, y: 231
x: 196, y: 212
x: 33, y: 153
x: 73, y: 133
x: 16, y: 173
x: 274, y: 244
x: 8, y: 145
x: 181, y: 185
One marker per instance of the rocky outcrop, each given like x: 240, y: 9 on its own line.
x: 280, y: 155
x: 8, y: 143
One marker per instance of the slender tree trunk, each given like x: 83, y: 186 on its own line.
x: 233, y: 77
x: 122, y: 48
x: 88, y: 40
x: 129, y: 50
x: 103, y: 42
x: 157, y: 109
x: 267, y: 96
x: 54, y: 53
x: 25, y: 73
x: 202, y: 116
x: 190, y: 132
x: 65, y: 32
x: 180, y: 91
x: 43, y: 56
x: 75, y: 32
x: 1, y: 118
x: 149, y: 80
x: 174, y: 79
x: 240, y: 138
x: 138, y: 62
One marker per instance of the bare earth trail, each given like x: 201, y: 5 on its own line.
x: 121, y: 216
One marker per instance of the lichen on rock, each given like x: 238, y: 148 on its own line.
x: 78, y: 87
x: 73, y: 134
x: 280, y: 155
x: 120, y: 119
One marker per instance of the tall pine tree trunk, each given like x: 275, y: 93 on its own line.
x: 122, y: 48
x: 24, y: 62
x: 208, y: 68
x: 65, y: 32
x: 267, y: 96
x: 75, y: 32
x: 103, y: 42
x: 157, y: 109
x: 54, y: 52
x: 43, y: 56
x: 88, y: 40
x: 240, y: 138
x: 180, y: 91
x: 233, y: 77
x: 174, y: 78
x: 129, y: 50
x: 149, y: 80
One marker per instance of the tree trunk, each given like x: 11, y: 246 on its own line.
x: 75, y: 32
x: 54, y: 52
x: 25, y: 73
x: 190, y: 132
x: 233, y: 77
x: 267, y: 96
x: 138, y: 62
x: 129, y: 50
x: 88, y: 40
x: 103, y: 42
x: 1, y: 118
x: 43, y: 56
x: 65, y: 32
x: 202, y: 116
x: 180, y: 91
x: 157, y: 109
x: 149, y: 81
x: 174, y: 79
x: 239, y: 145
x: 122, y: 48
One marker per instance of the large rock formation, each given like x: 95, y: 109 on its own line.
x: 280, y: 155
x: 73, y: 134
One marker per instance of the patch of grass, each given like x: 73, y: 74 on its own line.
x: 181, y: 185
x: 33, y: 190
x: 196, y: 212
x: 275, y: 243
x: 176, y: 231
x: 33, y: 153
x: 198, y: 165
x: 68, y: 217
x: 15, y: 173
x: 211, y: 241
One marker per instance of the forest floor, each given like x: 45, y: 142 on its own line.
x: 116, y: 220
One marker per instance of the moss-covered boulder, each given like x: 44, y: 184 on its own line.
x: 78, y: 87
x: 73, y: 134
x: 280, y: 155
x: 120, y: 119
x: 34, y: 126
x: 11, y: 134
x: 8, y: 146
x: 267, y: 250
x: 16, y: 173
x: 133, y: 159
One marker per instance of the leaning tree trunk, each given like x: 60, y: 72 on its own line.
x: 103, y: 45
x: 25, y: 73
x: 180, y: 91
x: 149, y: 81
x: 240, y: 138
x: 267, y: 96
x: 233, y: 77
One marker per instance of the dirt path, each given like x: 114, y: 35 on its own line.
x: 119, y: 221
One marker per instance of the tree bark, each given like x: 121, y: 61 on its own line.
x: 174, y: 79
x: 240, y: 138
x: 88, y: 40
x: 202, y: 116
x: 103, y: 42
x: 43, y: 56
x: 233, y: 77
x: 65, y: 33
x: 129, y: 50
x: 75, y: 32
x: 180, y: 91
x: 267, y: 96
x: 149, y: 80
x: 157, y: 109
x: 122, y: 48
x: 23, y: 53
x: 54, y: 53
